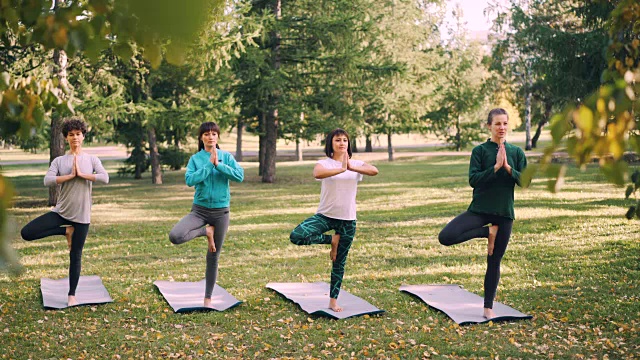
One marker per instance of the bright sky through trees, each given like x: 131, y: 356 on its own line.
x: 477, y: 23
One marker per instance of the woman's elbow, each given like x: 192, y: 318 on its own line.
x: 374, y: 171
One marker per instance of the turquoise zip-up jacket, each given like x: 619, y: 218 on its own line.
x: 212, y: 182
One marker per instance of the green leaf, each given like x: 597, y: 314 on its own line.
x: 559, y: 127
x: 38, y: 115
x: 583, y: 118
x: 70, y: 107
x: 615, y: 172
x: 176, y: 53
x: 634, y: 141
x: 527, y: 175
x: 6, y: 81
x: 556, y: 174
x: 123, y: 50
x: 153, y: 53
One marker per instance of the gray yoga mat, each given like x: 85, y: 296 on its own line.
x: 313, y: 298
x: 460, y: 305
x: 90, y: 291
x: 189, y: 296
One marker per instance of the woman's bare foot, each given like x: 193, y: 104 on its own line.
x: 335, y: 240
x: 333, y: 305
x: 207, y: 302
x: 69, y: 235
x: 493, y: 231
x: 212, y: 245
x: 71, y: 301
x: 489, y: 314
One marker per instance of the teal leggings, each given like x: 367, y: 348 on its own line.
x: 311, y: 231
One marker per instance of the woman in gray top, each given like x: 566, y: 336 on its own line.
x: 75, y: 172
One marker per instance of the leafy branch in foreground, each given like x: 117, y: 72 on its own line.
x: 606, y: 124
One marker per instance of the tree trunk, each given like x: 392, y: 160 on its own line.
x: 156, y: 171
x: 56, y: 148
x: 368, y: 147
x: 389, y: 145
x: 298, y: 150
x: 239, y: 140
x: 269, y: 168
x: 298, y: 145
x: 176, y: 139
x: 262, y: 142
x: 271, y: 137
x: 527, y: 119
x: 458, y: 139
x: 541, y: 124
x: 139, y: 160
x: 354, y: 145
x: 56, y: 140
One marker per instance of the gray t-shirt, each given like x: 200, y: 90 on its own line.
x: 74, y: 202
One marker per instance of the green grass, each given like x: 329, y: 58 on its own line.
x: 573, y: 263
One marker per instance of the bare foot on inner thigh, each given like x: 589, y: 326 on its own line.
x: 207, y: 302
x: 71, y: 301
x: 335, y: 239
x: 333, y: 305
x: 212, y: 244
x: 489, y: 314
x: 493, y: 231
x: 69, y: 235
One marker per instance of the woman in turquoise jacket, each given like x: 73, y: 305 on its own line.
x: 209, y: 170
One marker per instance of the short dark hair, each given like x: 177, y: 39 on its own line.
x: 73, y: 123
x: 328, y: 146
x: 205, y: 128
x: 494, y: 112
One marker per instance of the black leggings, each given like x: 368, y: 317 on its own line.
x: 467, y: 226
x: 51, y: 224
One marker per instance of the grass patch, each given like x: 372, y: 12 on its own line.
x: 572, y: 263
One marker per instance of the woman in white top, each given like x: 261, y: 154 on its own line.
x: 337, y: 209
x: 75, y: 173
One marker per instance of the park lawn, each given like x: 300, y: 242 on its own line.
x: 573, y: 263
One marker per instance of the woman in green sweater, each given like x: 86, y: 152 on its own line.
x: 209, y: 170
x: 494, y: 170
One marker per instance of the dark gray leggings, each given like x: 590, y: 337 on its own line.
x: 467, y: 226
x: 193, y: 226
x: 51, y: 224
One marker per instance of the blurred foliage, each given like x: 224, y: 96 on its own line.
x: 88, y: 27
x: 605, y: 125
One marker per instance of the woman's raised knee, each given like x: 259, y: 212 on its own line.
x: 296, y: 239
x: 175, y: 238
x: 26, y: 234
x: 445, y: 238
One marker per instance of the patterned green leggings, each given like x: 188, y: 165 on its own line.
x: 311, y: 231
